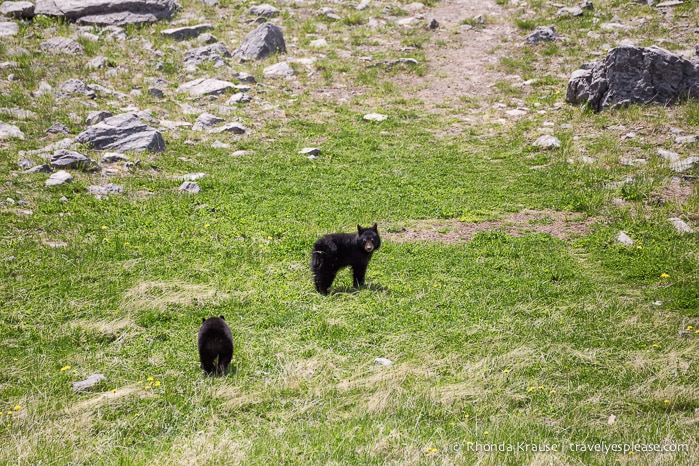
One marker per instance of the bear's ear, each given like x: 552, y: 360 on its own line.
x: 203, y: 319
x: 359, y: 229
x: 221, y: 317
x: 375, y: 227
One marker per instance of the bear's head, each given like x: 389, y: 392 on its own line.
x: 369, y: 238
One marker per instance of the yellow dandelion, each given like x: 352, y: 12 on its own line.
x: 17, y: 407
x: 114, y: 390
x: 689, y: 327
x: 667, y: 316
x: 552, y: 392
x: 9, y: 413
x: 269, y: 238
x: 150, y: 379
x: 147, y: 387
x: 65, y: 368
x: 530, y: 389
x: 74, y: 371
x: 434, y: 450
x: 639, y: 247
x: 465, y: 416
x: 157, y: 383
x: 664, y: 275
x: 104, y: 227
x: 696, y: 331
x: 126, y: 243
x: 207, y: 225
x: 486, y: 432
x: 541, y: 387
x: 106, y: 240
x: 630, y: 453
x: 506, y: 371
x: 667, y: 401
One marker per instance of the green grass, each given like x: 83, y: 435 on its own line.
x: 509, y: 335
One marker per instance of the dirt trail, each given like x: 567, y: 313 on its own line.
x: 463, y: 59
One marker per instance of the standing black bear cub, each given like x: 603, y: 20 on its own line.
x: 215, y: 345
x: 333, y: 252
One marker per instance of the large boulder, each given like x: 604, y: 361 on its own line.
x: 20, y: 10
x: 122, y: 133
x: 632, y: 75
x: 108, y: 12
x: 264, y: 41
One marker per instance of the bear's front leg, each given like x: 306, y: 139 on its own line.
x: 358, y: 272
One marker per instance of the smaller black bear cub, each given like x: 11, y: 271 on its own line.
x: 338, y: 250
x: 215, y: 345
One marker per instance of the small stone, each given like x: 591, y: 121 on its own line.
x: 220, y: 145
x: 96, y: 63
x: 113, y: 157
x: 515, y: 112
x: 542, y: 33
x: 107, y: 189
x: 623, y: 238
x: 318, y: 43
x: 238, y: 98
x: 686, y: 139
x: 69, y: 159
x: 669, y: 155
x: 190, y: 187
x: 310, y: 151
x: 192, y: 176
x: 10, y: 131
x: 433, y: 25
x: 684, y: 165
x: 265, y: 11
x: 44, y: 168
x: 58, y: 128
x: 279, y: 69
x: 62, y: 45
x: 8, y: 29
x: 374, y: 117
x: 571, y: 11
x: 88, y: 382
x: 383, y: 362
x: 59, y: 178
x: 242, y: 153
x: 156, y: 92
x: 235, y: 128
x: 680, y: 225
x: 547, y: 142
x: 95, y: 117
x: 629, y: 162
x: 206, y: 120
x: 25, y: 164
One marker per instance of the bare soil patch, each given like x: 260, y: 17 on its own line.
x: 464, y: 58
x: 558, y: 224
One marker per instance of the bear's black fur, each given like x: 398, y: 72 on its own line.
x: 333, y: 252
x: 215, y: 345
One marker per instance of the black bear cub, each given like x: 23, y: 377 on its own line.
x: 215, y: 345
x: 334, y: 252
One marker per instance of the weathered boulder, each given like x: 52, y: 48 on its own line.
x: 10, y: 131
x: 69, y: 159
x: 186, y: 32
x: 108, y: 12
x: 214, y: 53
x: 265, y: 10
x: 62, y: 45
x: 206, y: 86
x: 542, y: 33
x: 123, y: 133
x: 633, y: 75
x: 19, y: 10
x: 264, y: 41
x: 8, y: 28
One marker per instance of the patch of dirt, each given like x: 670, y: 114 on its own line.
x: 558, y: 224
x: 677, y: 192
x: 463, y: 59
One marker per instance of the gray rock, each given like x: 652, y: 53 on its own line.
x: 587, y: 5
x: 96, y: 63
x: 279, y: 69
x: 547, y: 142
x: 205, y: 121
x: 238, y: 98
x: 95, y: 117
x: 310, y: 151
x: 190, y: 187
x: 266, y: 11
x: 433, y: 25
x: 108, y: 12
x: 235, y: 128
x: 623, y: 238
x: 242, y: 153
x: 572, y: 11
x: 374, y: 117
x: 383, y: 362
x: 156, y: 92
x: 19, y: 10
x: 25, y: 164
x: 680, y: 225
x: 669, y: 155
x: 58, y: 128
x: 192, y: 176
x: 206, y: 86
x: 123, y: 133
x: 113, y: 157
x: 105, y: 190
x: 686, y: 139
x: 630, y: 75
x: 681, y: 166
x: 19, y: 113
x: 62, y: 45
x: 69, y: 159
x: 10, y: 131
x: 220, y: 145
x: 264, y: 41
x: 59, y: 178
x: 44, y: 168
x: 214, y: 53
x: 44, y: 88
x: 245, y: 78
x: 89, y: 382
x: 209, y: 2
x: 8, y: 29
x: 186, y: 32
x: 75, y: 86
x: 542, y: 33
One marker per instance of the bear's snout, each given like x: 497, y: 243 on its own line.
x: 369, y: 246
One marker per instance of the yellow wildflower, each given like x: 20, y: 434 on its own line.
x: 664, y: 275
x: 667, y: 401
x: 157, y: 383
x: 65, y: 368
x: 150, y: 379
x: 104, y: 227
x: 485, y: 433
x: 17, y: 407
